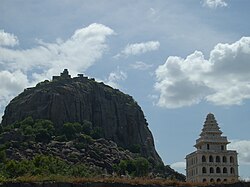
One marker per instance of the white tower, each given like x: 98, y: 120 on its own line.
x: 211, y: 162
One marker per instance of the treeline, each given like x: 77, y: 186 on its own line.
x: 44, y: 130
x: 42, y: 165
x: 137, y: 167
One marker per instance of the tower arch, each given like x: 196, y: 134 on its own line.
x: 218, y: 170
x: 204, y: 170
x: 217, y: 158
x: 224, y: 170
x: 203, y: 158
x: 211, y: 158
x: 211, y: 170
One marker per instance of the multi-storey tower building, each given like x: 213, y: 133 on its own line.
x: 211, y: 162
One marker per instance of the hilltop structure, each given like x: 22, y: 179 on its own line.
x: 64, y: 75
x: 211, y: 162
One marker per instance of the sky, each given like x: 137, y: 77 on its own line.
x: 179, y: 60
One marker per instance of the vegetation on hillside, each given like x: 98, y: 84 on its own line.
x: 21, y: 135
x: 42, y: 165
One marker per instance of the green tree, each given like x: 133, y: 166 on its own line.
x: 10, y: 169
x: 27, y: 121
x: 96, y: 133
x: 122, y: 167
x: 131, y: 167
x: 2, y: 156
x: 43, y: 130
x: 71, y: 129
x: 86, y: 127
x: 27, y: 129
x: 86, y: 139
x: 142, y: 166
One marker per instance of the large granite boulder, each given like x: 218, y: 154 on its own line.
x: 66, y: 99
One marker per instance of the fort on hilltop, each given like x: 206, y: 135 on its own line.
x: 65, y: 75
x: 212, y: 162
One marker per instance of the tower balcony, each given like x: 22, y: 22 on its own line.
x: 203, y: 140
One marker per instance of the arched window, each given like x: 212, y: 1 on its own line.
x: 232, y: 170
x: 211, y: 180
x: 204, y: 170
x: 217, y: 170
x: 218, y: 180
x: 224, y: 170
x: 204, y: 180
x: 224, y: 159
x: 217, y: 158
x: 203, y: 158
x: 211, y: 159
x: 211, y: 170
x: 231, y: 159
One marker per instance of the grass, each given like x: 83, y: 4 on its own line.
x: 132, y: 181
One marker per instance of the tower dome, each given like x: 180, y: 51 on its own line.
x: 211, y: 162
x: 211, y: 133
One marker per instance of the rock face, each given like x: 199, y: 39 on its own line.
x: 77, y: 99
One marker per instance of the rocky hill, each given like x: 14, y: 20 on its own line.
x: 81, y: 99
x: 108, y: 113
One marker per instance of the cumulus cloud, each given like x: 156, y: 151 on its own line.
x: 243, y: 149
x: 80, y: 51
x: 214, y: 3
x: 179, y: 166
x: 77, y: 53
x: 139, y: 48
x: 115, y: 77
x: 223, y: 79
x: 11, y: 84
x: 141, y: 65
x: 7, y: 39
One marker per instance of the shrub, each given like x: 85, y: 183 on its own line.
x: 61, y: 138
x: 2, y: 156
x: 96, y: 133
x: 86, y: 127
x: 83, y: 138
x: 137, y: 167
x: 70, y: 130
x: 142, y: 166
x: 27, y: 121
x: 135, y: 148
